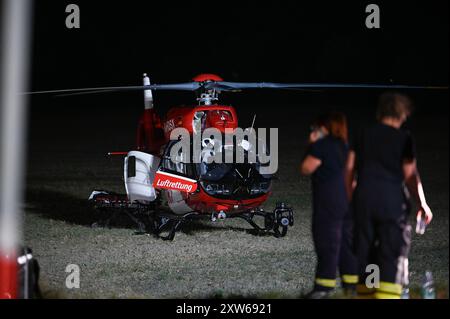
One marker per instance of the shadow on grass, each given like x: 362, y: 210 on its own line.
x: 64, y: 207
x: 193, y: 227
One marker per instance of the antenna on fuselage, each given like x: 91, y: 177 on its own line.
x: 253, y: 122
x: 148, y: 95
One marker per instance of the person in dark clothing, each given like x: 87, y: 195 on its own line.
x: 383, y: 159
x: 332, y: 222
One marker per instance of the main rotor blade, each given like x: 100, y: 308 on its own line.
x: 232, y: 86
x: 189, y: 86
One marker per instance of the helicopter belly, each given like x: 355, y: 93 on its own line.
x: 177, y: 202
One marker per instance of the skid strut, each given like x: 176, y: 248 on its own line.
x: 276, y: 221
x: 170, y: 222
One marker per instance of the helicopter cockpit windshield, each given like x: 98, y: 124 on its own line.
x: 217, y: 177
x: 240, y: 180
x: 209, y: 168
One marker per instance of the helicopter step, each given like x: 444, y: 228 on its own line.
x: 148, y: 217
x: 114, y: 205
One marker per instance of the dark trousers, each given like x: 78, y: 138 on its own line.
x: 333, y: 239
x: 382, y: 236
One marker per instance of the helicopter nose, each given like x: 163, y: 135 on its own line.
x: 243, y: 174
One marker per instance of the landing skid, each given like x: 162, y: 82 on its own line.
x: 151, y: 218
x: 277, y: 222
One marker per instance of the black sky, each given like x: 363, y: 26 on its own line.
x: 241, y: 41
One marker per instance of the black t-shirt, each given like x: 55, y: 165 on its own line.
x: 329, y: 195
x: 333, y: 154
x: 380, y: 153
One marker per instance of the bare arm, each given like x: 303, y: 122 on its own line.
x: 309, y: 165
x: 414, y: 185
x: 349, y: 174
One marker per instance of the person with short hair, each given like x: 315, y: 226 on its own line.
x: 331, y: 220
x: 381, y: 162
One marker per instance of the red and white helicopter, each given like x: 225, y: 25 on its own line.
x: 171, y: 193
x: 162, y: 194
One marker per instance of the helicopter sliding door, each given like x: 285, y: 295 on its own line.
x: 176, y: 179
x: 139, y: 173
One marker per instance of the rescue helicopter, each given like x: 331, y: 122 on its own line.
x: 163, y: 193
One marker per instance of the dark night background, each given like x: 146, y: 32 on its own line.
x: 241, y: 41
x: 325, y: 41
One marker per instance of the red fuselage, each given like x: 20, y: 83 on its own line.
x: 154, y: 134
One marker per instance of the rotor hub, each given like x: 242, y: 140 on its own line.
x: 207, y: 96
x: 207, y: 77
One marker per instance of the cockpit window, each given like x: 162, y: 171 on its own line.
x: 180, y: 164
x: 213, y: 171
x: 199, y: 121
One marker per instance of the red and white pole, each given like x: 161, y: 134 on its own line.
x: 15, y: 48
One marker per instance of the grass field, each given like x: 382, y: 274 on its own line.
x: 67, y: 161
